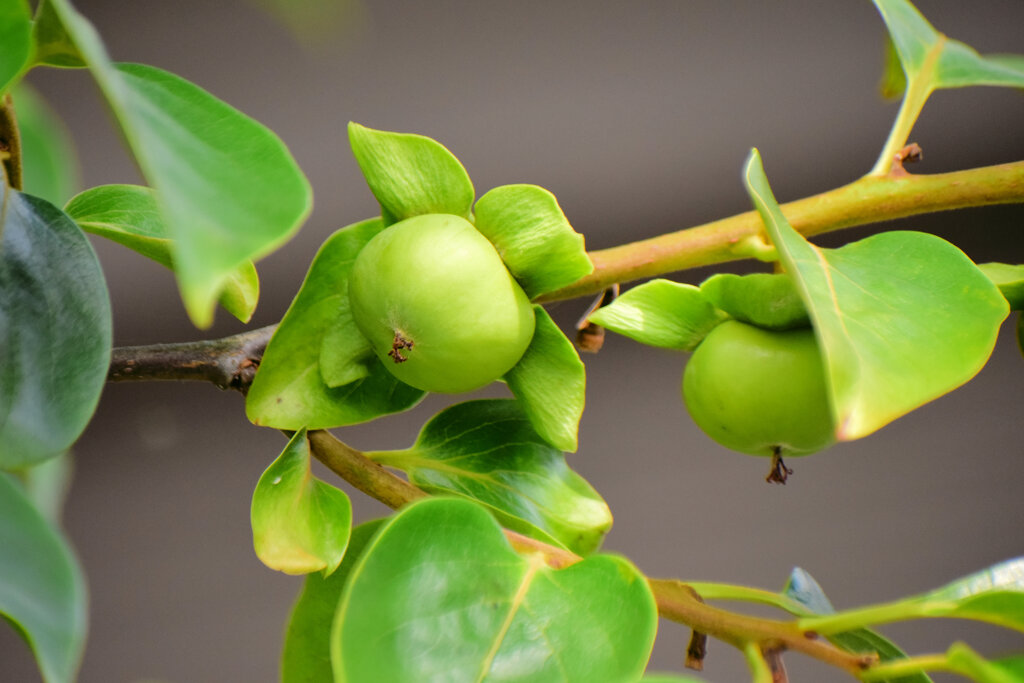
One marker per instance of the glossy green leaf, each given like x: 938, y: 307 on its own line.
x: 533, y: 236
x: 440, y: 595
x: 410, y: 174
x: 130, y: 216
x: 902, y: 317
x: 49, y: 165
x: 55, y: 330
x: 488, y: 451
x: 41, y: 587
x: 942, y: 62
x: 963, y: 660
x: 228, y: 187
x: 550, y: 383
x: 16, y: 39
x: 1009, y: 279
x: 289, y: 391
x: 767, y: 300
x: 805, y: 591
x: 53, y: 45
x: 661, y: 313
x: 299, y: 523
x: 307, y: 643
x: 995, y: 595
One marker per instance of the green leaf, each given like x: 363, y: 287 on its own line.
x: 55, y: 330
x: 550, y: 383
x: 130, y: 216
x: 440, y: 595
x: 533, y: 236
x: 228, y: 187
x: 53, y: 45
x: 902, y: 317
x: 1009, y: 279
x: 16, y: 38
x: 307, y: 643
x: 410, y: 174
x: 963, y: 660
x: 894, y: 81
x: 289, y: 391
x: 41, y: 587
x: 805, y: 591
x: 994, y: 595
x: 767, y: 300
x: 299, y: 523
x: 487, y: 451
x: 661, y: 313
x: 941, y: 62
x: 47, y: 485
x: 49, y: 164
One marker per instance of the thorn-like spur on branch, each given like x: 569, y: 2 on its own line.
x: 229, y: 363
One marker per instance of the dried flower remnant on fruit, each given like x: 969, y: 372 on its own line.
x: 397, y: 346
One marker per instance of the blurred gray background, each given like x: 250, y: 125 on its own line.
x: 638, y: 116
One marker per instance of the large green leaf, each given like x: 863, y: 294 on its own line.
x: 805, y: 591
x: 440, y: 595
x: 410, y: 174
x: 550, y: 383
x: 299, y: 523
x: 767, y: 300
x: 289, y: 391
x: 16, y: 39
x: 41, y: 587
x: 942, y: 62
x: 488, y: 451
x: 55, y: 330
x: 130, y: 216
x: 995, y: 595
x: 49, y: 165
x: 533, y: 236
x: 902, y: 317
x: 661, y: 313
x: 307, y: 642
x: 228, y: 187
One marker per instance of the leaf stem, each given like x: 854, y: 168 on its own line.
x: 858, y: 618
x: 908, y: 666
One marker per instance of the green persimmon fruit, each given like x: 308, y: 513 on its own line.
x: 441, y: 310
x: 760, y: 391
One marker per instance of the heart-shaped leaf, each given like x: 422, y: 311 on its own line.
x: 902, y: 317
x: 16, y: 38
x: 410, y: 174
x: 289, y: 391
x: 129, y: 215
x: 440, y: 594
x: 488, y: 451
x: 228, y: 187
x: 41, y: 587
x: 299, y: 523
x: 307, y: 642
x: 55, y: 330
x: 533, y: 236
x: 49, y: 165
x: 661, y: 313
x: 1009, y: 279
x: 767, y: 300
x: 550, y: 383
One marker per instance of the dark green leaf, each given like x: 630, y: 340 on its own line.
x: 550, y: 383
x: 963, y: 660
x: 1009, y: 279
x: 894, y: 81
x: 49, y: 165
x: 767, y: 300
x: 55, y: 331
x: 228, y: 187
x: 902, y: 317
x: 440, y: 594
x: 307, y: 642
x: 661, y: 313
x: 803, y: 589
x: 16, y: 39
x: 488, y: 451
x: 130, y: 216
x: 41, y: 587
x: 299, y: 524
x: 533, y: 236
x: 289, y: 391
x: 410, y: 174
